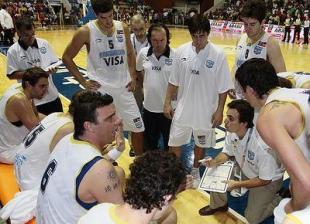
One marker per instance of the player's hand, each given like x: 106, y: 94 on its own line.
x: 168, y: 111
x: 52, y: 70
x: 232, y: 184
x: 217, y: 119
x: 119, y: 138
x: 91, y: 85
x: 208, y: 162
x: 232, y: 94
x: 131, y: 86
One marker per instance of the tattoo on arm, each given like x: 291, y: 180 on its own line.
x: 112, y: 180
x: 108, y: 189
x: 276, y: 104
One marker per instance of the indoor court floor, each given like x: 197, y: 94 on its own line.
x: 189, y: 202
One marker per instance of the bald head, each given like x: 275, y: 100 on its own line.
x: 138, y: 26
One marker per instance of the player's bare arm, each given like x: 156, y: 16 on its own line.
x: 80, y: 38
x: 274, y: 55
x: 171, y: 92
x: 217, y: 117
x: 131, y: 58
x: 277, y: 126
x: 101, y: 184
x: 19, y: 108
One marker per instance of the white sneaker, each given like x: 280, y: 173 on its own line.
x: 196, y: 177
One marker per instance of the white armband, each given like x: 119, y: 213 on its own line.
x: 114, y: 154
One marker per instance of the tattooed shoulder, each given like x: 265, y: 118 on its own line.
x: 275, y: 104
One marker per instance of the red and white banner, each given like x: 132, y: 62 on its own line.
x: 238, y: 27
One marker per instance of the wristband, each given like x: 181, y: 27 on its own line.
x: 114, y: 154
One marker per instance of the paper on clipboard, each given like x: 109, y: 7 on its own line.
x: 212, y: 179
x: 54, y: 65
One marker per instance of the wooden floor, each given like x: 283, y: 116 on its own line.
x: 188, y: 202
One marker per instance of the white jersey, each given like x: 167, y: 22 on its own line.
x: 253, y: 156
x: 300, y: 217
x: 300, y: 99
x: 246, y: 51
x: 298, y: 79
x: 10, y: 136
x: 102, y: 213
x: 58, y: 201
x: 200, y: 79
x: 107, y: 56
x: 32, y: 159
x: 20, y: 59
x: 137, y: 45
x: 156, y: 77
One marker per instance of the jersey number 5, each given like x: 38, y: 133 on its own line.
x: 111, y: 45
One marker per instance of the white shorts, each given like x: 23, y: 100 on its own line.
x: 180, y: 135
x: 126, y: 108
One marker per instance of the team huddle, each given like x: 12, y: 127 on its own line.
x: 65, y: 161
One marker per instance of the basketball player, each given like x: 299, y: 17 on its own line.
x: 77, y: 177
x: 255, y: 42
x: 154, y: 181
x: 284, y: 125
x: 32, y: 158
x: 18, y: 114
x: 110, y: 61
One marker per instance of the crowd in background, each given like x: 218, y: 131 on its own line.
x: 45, y: 14
x: 276, y: 14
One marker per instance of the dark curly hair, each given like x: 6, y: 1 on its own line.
x: 259, y: 74
x: 154, y: 175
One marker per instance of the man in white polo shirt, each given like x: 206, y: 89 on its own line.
x: 30, y: 52
x: 202, y: 80
x: 154, y: 66
x: 261, y: 171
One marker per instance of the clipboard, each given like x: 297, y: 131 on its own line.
x: 213, y: 177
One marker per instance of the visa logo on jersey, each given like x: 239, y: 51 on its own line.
x: 116, y: 60
x: 195, y: 72
x: 113, y: 57
x: 156, y: 68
